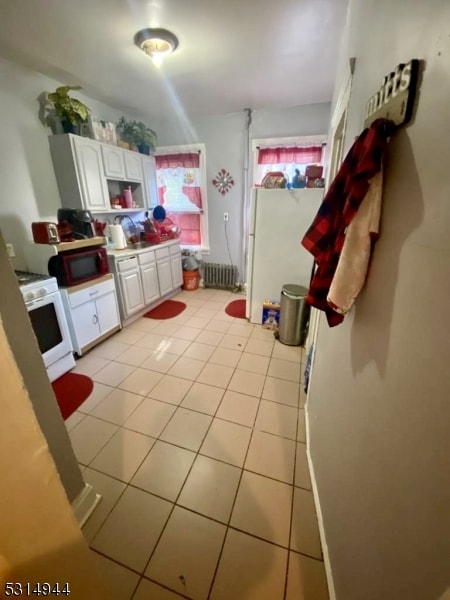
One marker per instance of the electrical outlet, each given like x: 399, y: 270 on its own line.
x: 225, y: 216
x: 10, y: 251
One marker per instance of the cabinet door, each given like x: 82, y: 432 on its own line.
x: 177, y: 271
x: 130, y: 285
x: 85, y: 323
x: 107, y: 313
x: 90, y: 171
x: 133, y: 166
x: 164, y: 276
x: 150, y: 286
x: 113, y: 162
x: 150, y: 189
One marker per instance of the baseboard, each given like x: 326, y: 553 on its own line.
x: 326, y: 556
x: 85, y: 504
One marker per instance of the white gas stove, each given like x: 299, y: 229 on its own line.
x: 46, y: 312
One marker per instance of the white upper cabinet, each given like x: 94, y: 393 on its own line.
x: 89, y: 163
x: 113, y: 162
x: 133, y: 166
x: 90, y: 173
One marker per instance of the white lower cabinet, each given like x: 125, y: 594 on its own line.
x: 175, y: 267
x: 131, y: 290
x: 92, y: 312
x: 164, y: 270
x: 149, y: 276
x: 146, y: 276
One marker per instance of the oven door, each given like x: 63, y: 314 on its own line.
x: 50, y: 327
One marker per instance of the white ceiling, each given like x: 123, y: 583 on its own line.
x: 232, y: 54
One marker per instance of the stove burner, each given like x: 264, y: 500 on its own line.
x: 24, y: 277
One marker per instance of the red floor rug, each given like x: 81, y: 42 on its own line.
x: 71, y: 390
x: 166, y: 310
x: 236, y: 309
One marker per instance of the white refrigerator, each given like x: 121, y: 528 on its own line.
x: 279, y: 218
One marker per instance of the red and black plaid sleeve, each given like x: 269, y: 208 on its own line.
x: 325, y: 237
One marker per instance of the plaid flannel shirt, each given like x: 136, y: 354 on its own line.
x: 325, y: 237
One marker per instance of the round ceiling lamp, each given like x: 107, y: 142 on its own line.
x: 157, y: 43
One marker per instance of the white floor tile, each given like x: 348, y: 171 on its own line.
x: 113, y: 374
x: 227, y: 441
x: 131, y: 531
x: 293, y: 353
x: 117, y: 406
x: 187, y: 368
x: 199, y: 351
x: 250, y: 568
x: 253, y: 363
x: 118, y: 581
x: 234, y: 342
x: 210, y: 488
x: 263, y: 508
x: 152, y: 340
x: 302, y: 476
x: 239, y: 408
x: 305, y: 531
x: 281, y: 390
x: 89, y: 437
x: 187, y: 429
x: 110, y: 490
x: 164, y: 470
x: 123, y: 454
x: 261, y: 347
x: 225, y: 357
x: 215, y: 375
x: 171, y: 389
x: 134, y: 355
x: 150, y: 417
x: 186, y: 563
x: 212, y: 338
x: 148, y: 590
x: 99, y: 391
x: 73, y: 420
x: 203, y: 398
x: 284, y: 369
x: 109, y: 349
x: 247, y: 383
x: 90, y: 364
x: 187, y: 333
x: 159, y: 361
x: 306, y: 578
x: 272, y: 456
x: 277, y: 418
x: 141, y: 381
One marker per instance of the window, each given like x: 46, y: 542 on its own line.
x: 181, y: 179
x: 286, y: 155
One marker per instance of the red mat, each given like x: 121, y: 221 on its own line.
x: 71, y: 390
x: 166, y: 310
x: 236, y: 309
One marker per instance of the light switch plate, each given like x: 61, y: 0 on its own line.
x: 10, y: 250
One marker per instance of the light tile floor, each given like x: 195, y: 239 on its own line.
x: 194, y: 435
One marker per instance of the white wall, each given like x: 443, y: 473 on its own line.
x: 224, y: 137
x: 378, y: 407
x: 29, y: 190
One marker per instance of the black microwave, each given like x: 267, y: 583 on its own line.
x: 78, y: 266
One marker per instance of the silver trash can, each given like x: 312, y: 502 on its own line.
x: 293, y: 313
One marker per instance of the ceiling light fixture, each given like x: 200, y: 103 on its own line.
x: 157, y: 43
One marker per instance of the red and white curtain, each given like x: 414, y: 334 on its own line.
x: 286, y: 160
x: 179, y: 191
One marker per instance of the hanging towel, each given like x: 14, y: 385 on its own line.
x: 326, y: 235
x: 350, y: 274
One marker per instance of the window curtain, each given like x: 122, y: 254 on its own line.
x: 286, y: 160
x: 178, y: 182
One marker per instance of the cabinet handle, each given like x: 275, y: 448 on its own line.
x: 94, y: 319
x: 93, y: 293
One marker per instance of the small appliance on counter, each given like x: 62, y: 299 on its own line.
x: 81, y: 221
x: 45, y: 232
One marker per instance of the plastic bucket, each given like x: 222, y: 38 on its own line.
x: 191, y: 280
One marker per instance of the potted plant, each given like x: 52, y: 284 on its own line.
x: 71, y: 111
x: 137, y: 134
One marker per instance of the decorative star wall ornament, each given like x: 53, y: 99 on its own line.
x: 223, y: 181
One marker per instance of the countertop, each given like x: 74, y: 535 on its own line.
x: 133, y: 251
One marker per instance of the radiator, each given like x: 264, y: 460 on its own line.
x: 220, y: 276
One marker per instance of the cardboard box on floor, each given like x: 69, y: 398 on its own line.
x: 40, y: 540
